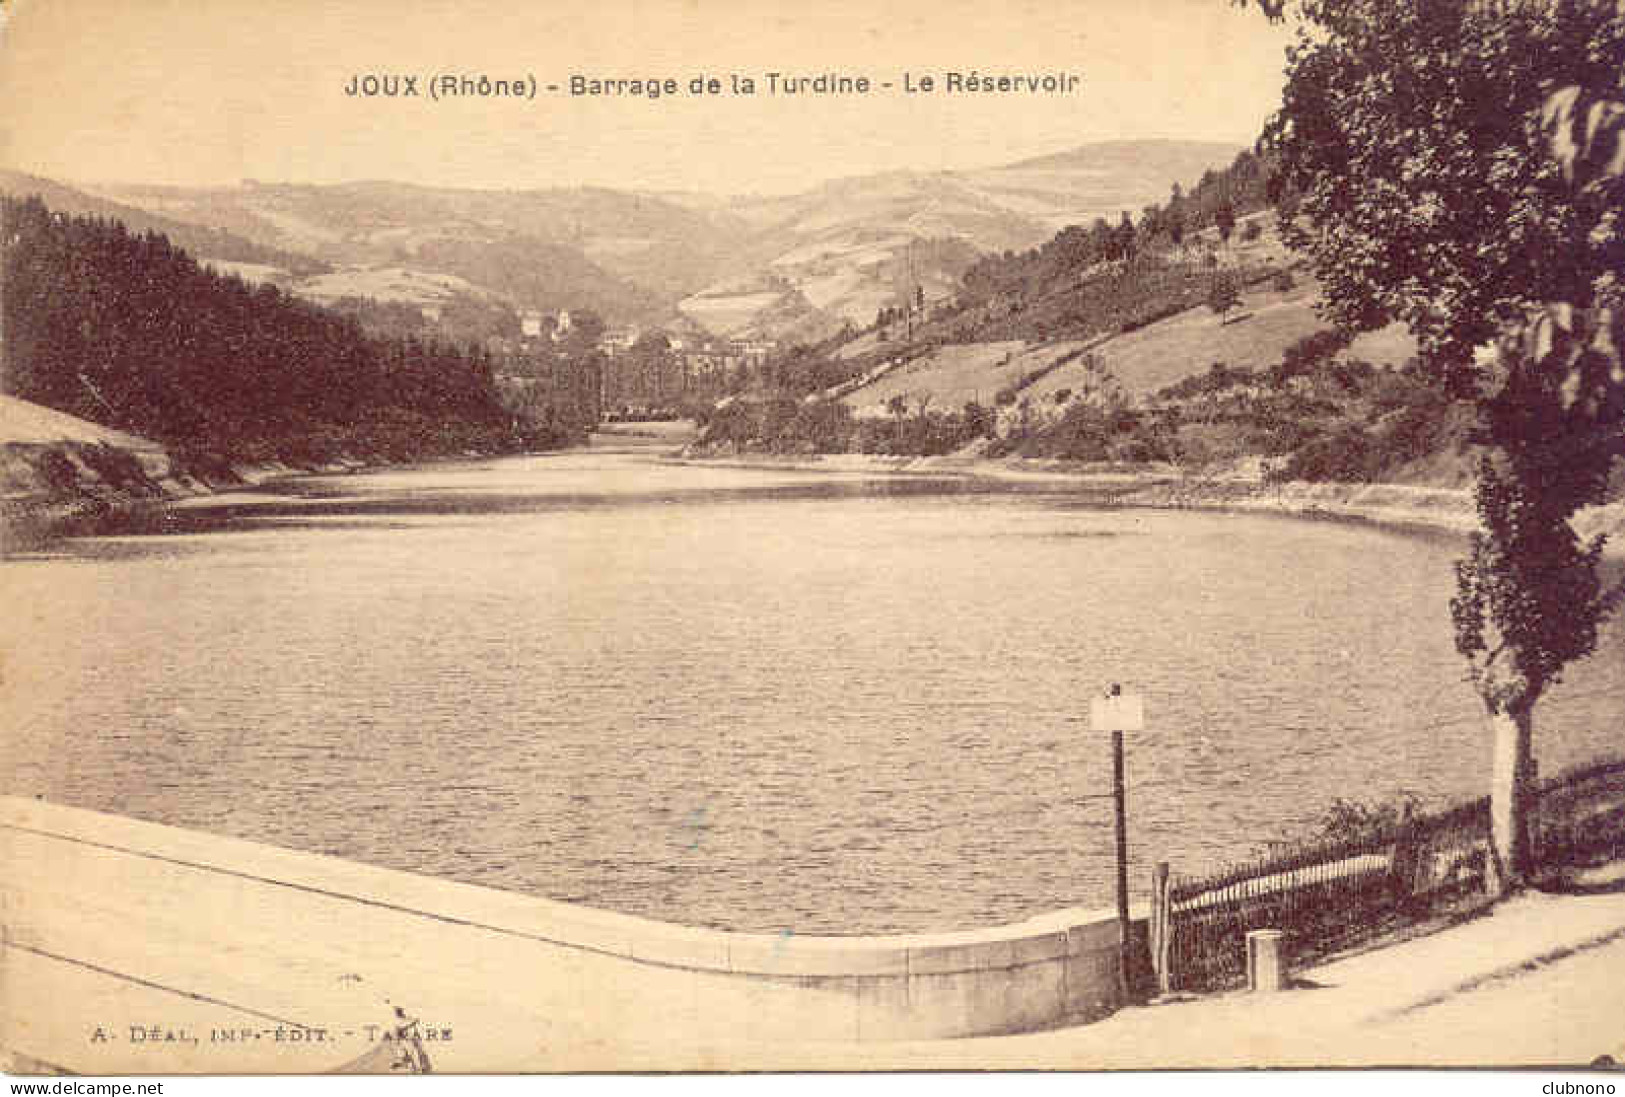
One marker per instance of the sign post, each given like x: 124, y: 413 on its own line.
x: 1118, y: 712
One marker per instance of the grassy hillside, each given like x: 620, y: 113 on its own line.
x: 26, y: 424
x: 951, y: 376
x: 1255, y: 335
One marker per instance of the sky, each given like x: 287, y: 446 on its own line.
x: 211, y: 93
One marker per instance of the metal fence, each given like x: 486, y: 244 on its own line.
x: 1328, y: 897
x: 1580, y: 818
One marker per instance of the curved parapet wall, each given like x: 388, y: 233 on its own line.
x: 250, y: 930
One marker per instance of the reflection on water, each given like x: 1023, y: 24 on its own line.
x: 745, y: 698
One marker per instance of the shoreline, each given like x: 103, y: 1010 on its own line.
x: 62, y: 476
x: 100, y: 484
x: 1400, y: 507
x: 91, y: 487
x: 1159, y: 487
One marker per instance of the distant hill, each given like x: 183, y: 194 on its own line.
x: 1101, y: 179
x: 845, y: 247
x: 626, y: 256
x: 199, y: 239
x: 797, y: 267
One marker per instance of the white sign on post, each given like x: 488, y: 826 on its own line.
x: 1117, y: 712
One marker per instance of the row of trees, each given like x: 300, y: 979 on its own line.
x: 1216, y: 201
x: 784, y: 425
x: 129, y: 331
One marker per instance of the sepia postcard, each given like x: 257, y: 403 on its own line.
x: 756, y: 535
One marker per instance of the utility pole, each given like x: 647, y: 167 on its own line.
x: 908, y: 297
x: 1118, y: 712
x: 1120, y: 802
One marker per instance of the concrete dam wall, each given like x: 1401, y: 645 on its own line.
x: 132, y: 947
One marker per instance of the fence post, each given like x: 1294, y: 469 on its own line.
x: 1161, y: 928
x: 1406, y: 858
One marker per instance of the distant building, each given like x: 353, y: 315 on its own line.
x: 537, y: 324
x: 618, y: 340
x: 710, y: 359
x: 754, y: 351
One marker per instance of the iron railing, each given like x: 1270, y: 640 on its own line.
x: 1331, y: 896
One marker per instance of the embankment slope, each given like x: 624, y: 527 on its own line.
x: 56, y: 469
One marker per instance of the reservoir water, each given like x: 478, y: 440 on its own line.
x: 750, y: 699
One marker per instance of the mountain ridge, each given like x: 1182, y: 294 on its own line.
x: 812, y: 262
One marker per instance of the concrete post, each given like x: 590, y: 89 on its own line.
x: 1266, y: 969
x: 1161, y: 928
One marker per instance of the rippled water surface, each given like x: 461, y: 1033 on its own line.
x: 752, y: 699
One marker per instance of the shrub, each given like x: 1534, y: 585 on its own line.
x: 1346, y: 455
x: 1223, y: 295
x: 1365, y: 821
x: 980, y: 421
x: 1305, y: 354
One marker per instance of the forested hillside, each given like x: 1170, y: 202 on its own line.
x: 130, y: 331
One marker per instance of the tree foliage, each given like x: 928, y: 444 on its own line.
x: 1460, y: 166
x: 1426, y: 194
x: 1223, y: 295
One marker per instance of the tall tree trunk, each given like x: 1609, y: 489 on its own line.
x: 1511, y: 862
